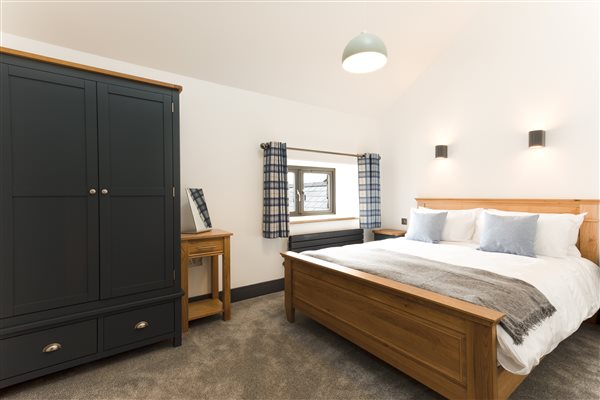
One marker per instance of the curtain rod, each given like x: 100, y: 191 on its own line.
x: 266, y: 145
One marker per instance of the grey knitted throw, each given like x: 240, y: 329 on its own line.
x: 523, y: 305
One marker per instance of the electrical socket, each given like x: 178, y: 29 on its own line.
x: 404, y: 221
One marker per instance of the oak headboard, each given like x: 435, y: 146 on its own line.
x: 588, y: 233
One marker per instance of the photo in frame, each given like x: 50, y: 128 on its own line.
x: 199, y: 210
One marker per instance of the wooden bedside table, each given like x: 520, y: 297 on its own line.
x: 381, y: 234
x: 213, y: 244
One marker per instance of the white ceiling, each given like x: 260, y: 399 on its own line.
x: 289, y: 50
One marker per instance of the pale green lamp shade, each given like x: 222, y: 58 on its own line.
x: 365, y: 53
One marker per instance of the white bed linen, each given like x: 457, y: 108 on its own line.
x: 571, y: 284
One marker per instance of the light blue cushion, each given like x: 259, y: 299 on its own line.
x: 509, y: 234
x: 426, y: 226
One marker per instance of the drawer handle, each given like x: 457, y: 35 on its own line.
x: 52, y: 347
x: 142, y: 325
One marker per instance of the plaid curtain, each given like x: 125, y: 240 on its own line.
x: 276, y: 218
x: 368, y: 191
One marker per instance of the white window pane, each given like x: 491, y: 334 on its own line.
x: 316, y: 191
x: 292, y: 191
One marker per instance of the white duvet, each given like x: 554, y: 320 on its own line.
x: 571, y: 284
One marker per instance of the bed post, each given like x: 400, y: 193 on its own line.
x: 482, y: 371
x: 290, y: 311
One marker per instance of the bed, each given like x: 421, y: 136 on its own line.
x: 447, y: 344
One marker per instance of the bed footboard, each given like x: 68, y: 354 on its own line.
x: 447, y: 344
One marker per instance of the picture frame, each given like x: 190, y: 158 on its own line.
x: 199, y: 210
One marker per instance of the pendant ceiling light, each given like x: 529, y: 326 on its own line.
x: 365, y: 53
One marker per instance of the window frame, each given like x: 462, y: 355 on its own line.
x: 299, y: 172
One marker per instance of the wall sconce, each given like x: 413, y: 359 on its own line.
x: 537, y: 139
x: 441, y: 151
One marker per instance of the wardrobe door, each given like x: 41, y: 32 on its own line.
x: 136, y: 186
x: 48, y: 178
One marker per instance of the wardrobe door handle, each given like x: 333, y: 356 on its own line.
x: 92, y: 191
x: 104, y: 191
x: 52, y: 347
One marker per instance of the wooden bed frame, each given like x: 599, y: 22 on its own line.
x: 447, y: 344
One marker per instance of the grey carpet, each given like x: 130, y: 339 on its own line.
x: 259, y: 355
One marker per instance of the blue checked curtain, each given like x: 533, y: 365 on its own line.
x: 276, y: 219
x: 368, y: 191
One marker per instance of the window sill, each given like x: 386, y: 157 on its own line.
x: 304, y: 220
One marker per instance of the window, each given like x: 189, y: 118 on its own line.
x: 311, y: 190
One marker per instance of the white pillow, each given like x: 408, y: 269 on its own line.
x: 478, y: 227
x: 573, y: 251
x: 556, y: 234
x: 574, y: 235
x: 460, y: 224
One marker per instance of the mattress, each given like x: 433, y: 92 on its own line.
x: 571, y: 284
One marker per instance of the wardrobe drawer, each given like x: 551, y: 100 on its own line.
x: 209, y: 247
x: 45, y: 348
x: 133, y: 326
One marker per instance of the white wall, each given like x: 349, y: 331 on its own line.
x: 516, y: 68
x: 221, y: 129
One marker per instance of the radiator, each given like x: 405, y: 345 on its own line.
x: 321, y: 240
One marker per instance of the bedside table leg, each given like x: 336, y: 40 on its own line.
x: 226, y: 281
x: 214, y: 276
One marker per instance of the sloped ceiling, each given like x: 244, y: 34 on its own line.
x: 288, y: 50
